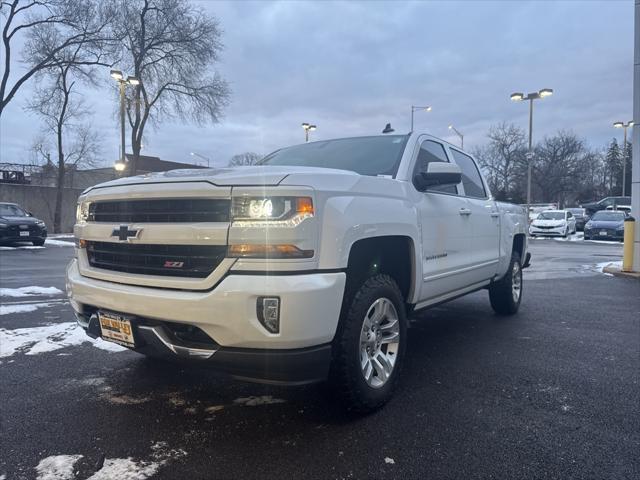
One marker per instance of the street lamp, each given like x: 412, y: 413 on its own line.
x: 414, y: 108
x: 195, y: 154
x: 122, y: 82
x: 624, y: 150
x: 518, y: 97
x: 451, y: 127
x: 307, y: 128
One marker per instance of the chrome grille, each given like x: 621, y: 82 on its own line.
x: 165, y: 210
x: 195, y: 261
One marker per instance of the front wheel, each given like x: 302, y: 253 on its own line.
x: 505, y: 295
x: 369, y: 347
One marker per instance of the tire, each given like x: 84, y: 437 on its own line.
x: 504, y: 295
x: 360, y: 367
x: 566, y: 233
x: 39, y: 242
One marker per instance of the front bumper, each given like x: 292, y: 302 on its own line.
x: 12, y: 234
x: 552, y: 232
x: 309, y: 312
x: 594, y: 234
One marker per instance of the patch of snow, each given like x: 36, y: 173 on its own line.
x: 57, y: 467
x: 128, y: 469
x: 3, y: 477
x: 21, y: 308
x: 214, y: 408
x: 123, y: 399
x: 60, y: 235
x: 28, y: 291
x: 35, y: 340
x: 255, y: 401
x: 125, y: 469
x: 59, y: 243
x: 389, y: 460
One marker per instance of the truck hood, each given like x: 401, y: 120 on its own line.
x: 228, y: 177
x: 605, y: 224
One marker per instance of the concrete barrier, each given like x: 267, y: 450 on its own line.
x: 41, y: 201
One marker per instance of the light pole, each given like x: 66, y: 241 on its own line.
x: 195, y: 154
x: 414, y: 108
x: 518, y: 97
x: 624, y: 152
x: 122, y: 82
x: 451, y: 127
x: 307, y: 128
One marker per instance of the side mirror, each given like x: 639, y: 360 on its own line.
x: 438, y: 174
x: 29, y: 214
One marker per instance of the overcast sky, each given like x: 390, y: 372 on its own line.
x: 352, y: 67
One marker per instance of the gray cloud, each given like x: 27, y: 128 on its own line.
x: 352, y: 67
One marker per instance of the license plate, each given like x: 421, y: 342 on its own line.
x: 116, y: 327
x: 24, y: 234
x: 603, y: 233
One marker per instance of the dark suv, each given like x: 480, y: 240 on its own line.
x: 18, y: 225
x: 594, y: 207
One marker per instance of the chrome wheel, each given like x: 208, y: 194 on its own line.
x: 516, y: 282
x: 379, y: 342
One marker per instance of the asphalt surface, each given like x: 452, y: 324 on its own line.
x: 550, y: 393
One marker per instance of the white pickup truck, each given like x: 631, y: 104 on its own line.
x: 303, y: 268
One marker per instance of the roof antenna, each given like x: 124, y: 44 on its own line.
x: 388, y: 129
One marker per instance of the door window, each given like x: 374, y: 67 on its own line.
x: 471, y: 179
x: 431, y: 151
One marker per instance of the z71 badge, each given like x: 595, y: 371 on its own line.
x: 171, y: 264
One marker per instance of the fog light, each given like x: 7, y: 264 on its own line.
x: 268, y: 310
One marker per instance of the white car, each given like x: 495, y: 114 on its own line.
x: 553, y: 223
x: 303, y: 268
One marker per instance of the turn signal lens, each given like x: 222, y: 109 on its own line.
x: 81, y: 243
x: 268, y: 251
x: 304, y: 205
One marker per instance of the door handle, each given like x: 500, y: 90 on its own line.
x: 464, y: 211
x: 495, y: 214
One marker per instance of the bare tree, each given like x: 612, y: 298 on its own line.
x: 64, y: 115
x: 503, y: 160
x: 247, y: 158
x: 557, y: 167
x: 64, y: 25
x: 171, y: 47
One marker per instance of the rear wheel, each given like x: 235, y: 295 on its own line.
x: 369, y: 348
x: 505, y: 295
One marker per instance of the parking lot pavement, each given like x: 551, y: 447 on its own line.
x: 550, y: 393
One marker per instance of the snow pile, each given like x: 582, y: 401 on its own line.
x: 35, y: 340
x: 21, y: 308
x: 59, y: 243
x: 28, y: 247
x: 28, y: 291
x: 255, y: 401
x: 57, y: 467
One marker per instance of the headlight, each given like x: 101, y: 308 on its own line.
x: 3, y: 225
x: 270, y: 211
x: 82, y: 212
x: 40, y: 223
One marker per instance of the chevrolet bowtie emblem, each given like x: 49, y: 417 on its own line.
x: 124, y: 234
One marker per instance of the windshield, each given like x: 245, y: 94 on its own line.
x: 364, y: 155
x: 551, y: 216
x: 608, y: 217
x: 7, y: 210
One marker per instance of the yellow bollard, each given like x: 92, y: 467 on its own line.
x: 627, y: 250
